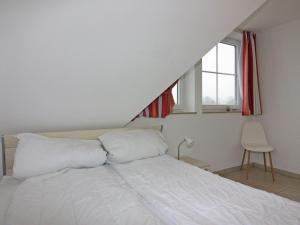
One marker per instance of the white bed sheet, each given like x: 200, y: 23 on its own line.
x: 8, y: 185
x: 182, y: 194
x: 77, y: 196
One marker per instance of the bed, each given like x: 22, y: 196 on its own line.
x: 184, y: 194
x: 87, y: 196
x: 83, y: 196
x: 154, y: 190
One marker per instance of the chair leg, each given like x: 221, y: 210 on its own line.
x: 265, y: 163
x: 271, y: 165
x: 243, y: 159
x: 248, y: 170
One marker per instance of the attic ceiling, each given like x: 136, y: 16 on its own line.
x: 68, y: 64
x: 273, y: 13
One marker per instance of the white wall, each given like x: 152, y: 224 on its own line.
x: 68, y: 64
x: 1, y: 169
x: 216, y: 136
x: 279, y: 63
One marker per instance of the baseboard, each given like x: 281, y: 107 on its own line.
x: 257, y: 165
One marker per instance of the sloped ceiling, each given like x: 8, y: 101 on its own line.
x: 69, y: 64
x: 271, y: 14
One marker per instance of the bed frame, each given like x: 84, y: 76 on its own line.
x: 9, y: 142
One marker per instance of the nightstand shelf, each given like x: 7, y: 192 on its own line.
x: 195, y: 162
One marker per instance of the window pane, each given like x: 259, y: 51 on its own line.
x: 209, y: 61
x: 175, y: 93
x: 209, y: 89
x: 226, y: 58
x: 226, y: 90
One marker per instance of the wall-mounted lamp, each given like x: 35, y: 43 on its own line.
x: 189, y: 142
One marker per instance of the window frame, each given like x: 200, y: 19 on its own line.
x: 226, y: 108
x: 186, y: 93
x: 179, y: 106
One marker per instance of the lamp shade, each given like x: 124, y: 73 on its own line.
x: 189, y: 141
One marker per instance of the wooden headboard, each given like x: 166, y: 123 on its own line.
x: 9, y: 142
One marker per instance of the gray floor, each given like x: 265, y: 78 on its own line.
x: 284, y: 186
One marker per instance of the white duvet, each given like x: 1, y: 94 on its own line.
x: 182, y: 194
x: 75, y: 197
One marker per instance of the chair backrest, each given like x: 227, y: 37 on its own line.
x: 253, y: 133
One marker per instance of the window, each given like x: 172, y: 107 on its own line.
x: 220, y: 92
x: 213, y: 81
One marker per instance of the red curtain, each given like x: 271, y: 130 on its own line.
x: 162, y: 106
x: 167, y: 101
x: 251, y: 94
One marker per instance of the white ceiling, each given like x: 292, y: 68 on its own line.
x: 273, y: 13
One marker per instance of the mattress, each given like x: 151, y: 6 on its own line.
x: 76, y: 196
x: 182, y: 194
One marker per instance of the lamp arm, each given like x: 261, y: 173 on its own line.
x: 178, y: 153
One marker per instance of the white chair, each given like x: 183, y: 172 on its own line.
x: 254, y: 140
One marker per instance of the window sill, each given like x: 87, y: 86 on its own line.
x: 213, y: 112
x: 222, y: 109
x: 182, y: 112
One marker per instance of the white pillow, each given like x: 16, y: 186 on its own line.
x: 36, y: 154
x: 126, y: 146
